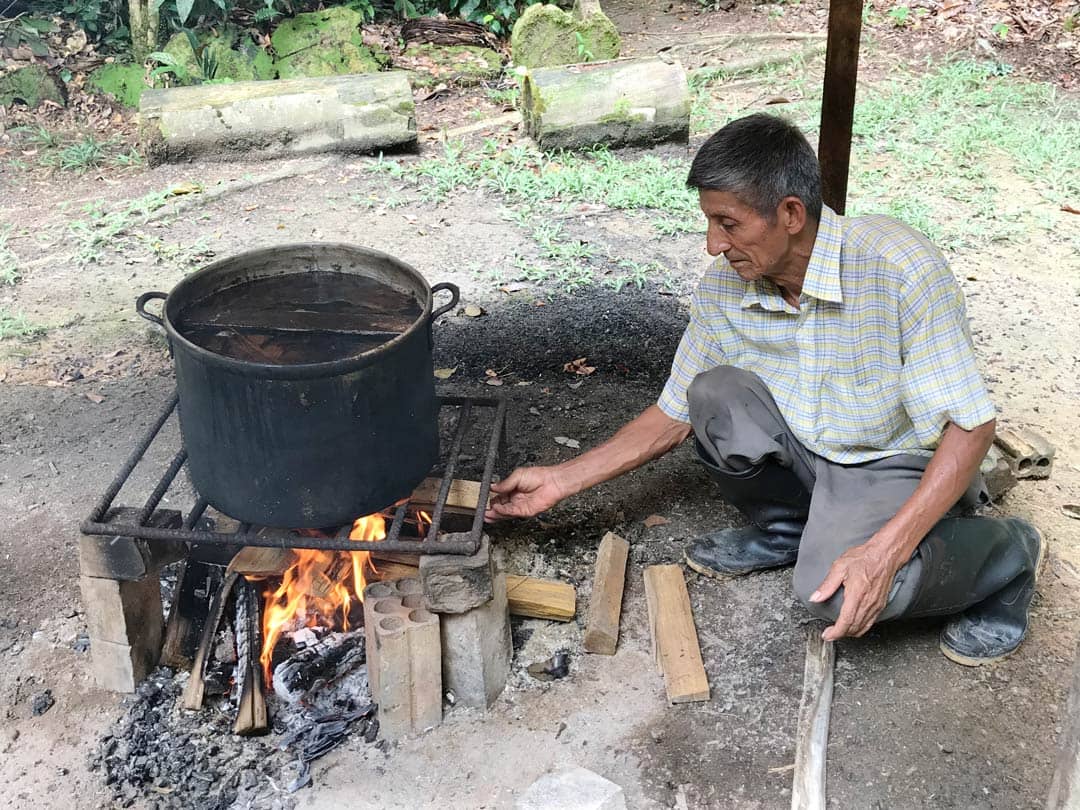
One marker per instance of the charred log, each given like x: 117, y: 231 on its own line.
x: 312, y: 668
x: 251, y: 715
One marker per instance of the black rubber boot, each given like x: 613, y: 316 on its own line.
x: 776, y: 503
x: 987, y: 568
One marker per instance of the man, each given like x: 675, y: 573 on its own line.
x: 828, y: 378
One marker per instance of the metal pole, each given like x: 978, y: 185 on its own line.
x: 838, y: 100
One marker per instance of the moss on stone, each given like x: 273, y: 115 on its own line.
x: 124, y: 82
x: 232, y: 64
x: 324, y: 43
x: 545, y: 36
x: 31, y: 84
x: 463, y: 65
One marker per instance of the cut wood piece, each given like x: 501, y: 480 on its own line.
x: 463, y: 495
x: 541, y: 598
x: 811, y: 744
x: 387, y: 571
x: 674, y: 635
x: 263, y: 120
x: 605, y: 604
x: 256, y: 561
x: 251, y: 715
x: 196, y: 585
x: 622, y: 102
x: 196, y: 685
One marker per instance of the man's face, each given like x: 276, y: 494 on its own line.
x: 754, y: 246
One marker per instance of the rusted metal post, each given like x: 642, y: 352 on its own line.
x: 838, y: 100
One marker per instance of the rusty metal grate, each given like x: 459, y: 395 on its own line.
x: 465, y: 414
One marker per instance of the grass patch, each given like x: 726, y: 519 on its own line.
x: 15, y: 325
x: 101, y: 229
x: 9, y: 262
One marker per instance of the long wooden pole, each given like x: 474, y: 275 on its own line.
x: 838, y: 100
x: 811, y: 746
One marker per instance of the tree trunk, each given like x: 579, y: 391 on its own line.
x: 618, y: 103
x: 143, y: 24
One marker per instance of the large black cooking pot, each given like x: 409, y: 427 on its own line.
x: 315, y: 442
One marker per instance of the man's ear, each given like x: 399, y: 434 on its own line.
x: 791, y: 214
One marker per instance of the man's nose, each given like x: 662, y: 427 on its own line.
x: 716, y: 242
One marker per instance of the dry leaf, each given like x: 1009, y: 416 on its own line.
x: 473, y: 311
x: 578, y: 367
x: 445, y: 373
x: 97, y: 399
x: 513, y: 288
x: 491, y: 373
x: 655, y: 520
x: 185, y: 188
x: 493, y: 381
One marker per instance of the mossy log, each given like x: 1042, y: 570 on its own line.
x: 271, y: 119
x: 623, y: 102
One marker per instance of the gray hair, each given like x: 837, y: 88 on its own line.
x: 761, y: 159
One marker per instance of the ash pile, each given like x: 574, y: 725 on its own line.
x: 163, y: 755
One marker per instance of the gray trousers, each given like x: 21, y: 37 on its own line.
x: 739, y: 428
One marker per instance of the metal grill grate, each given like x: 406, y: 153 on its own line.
x: 465, y: 414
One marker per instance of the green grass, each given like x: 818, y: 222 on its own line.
x: 102, y: 229
x: 9, y: 262
x: 87, y: 153
x: 15, y: 325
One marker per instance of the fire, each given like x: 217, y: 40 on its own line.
x: 321, y: 584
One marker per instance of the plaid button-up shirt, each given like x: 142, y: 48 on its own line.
x: 874, y: 362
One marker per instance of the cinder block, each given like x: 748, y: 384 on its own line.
x: 126, y: 615
x: 573, y: 789
x: 477, y: 650
x: 404, y: 657
x: 1030, y: 454
x: 119, y: 667
x: 454, y: 583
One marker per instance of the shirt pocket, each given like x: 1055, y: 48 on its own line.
x: 862, y: 411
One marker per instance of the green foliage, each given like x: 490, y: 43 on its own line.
x: 28, y: 32
x: 1000, y: 30
x: 86, y: 153
x: 583, y: 52
x: 16, y: 325
x: 9, y: 262
x: 102, y: 20
x: 102, y: 229
x: 205, y: 62
x: 899, y: 16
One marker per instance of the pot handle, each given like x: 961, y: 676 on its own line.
x: 140, y: 307
x: 455, y: 296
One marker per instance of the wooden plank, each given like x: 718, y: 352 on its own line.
x: 196, y: 585
x: 1065, y: 786
x: 392, y: 571
x: 811, y: 744
x: 672, y: 623
x: 463, y: 495
x: 251, y: 717
x: 255, y: 561
x: 605, y: 604
x: 541, y: 598
x: 838, y: 100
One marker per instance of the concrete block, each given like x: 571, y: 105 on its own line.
x: 117, y: 557
x: 124, y: 612
x: 1029, y: 454
x: 119, y: 667
x: 997, y: 473
x: 573, y: 789
x: 404, y: 657
x: 477, y: 650
x: 454, y: 583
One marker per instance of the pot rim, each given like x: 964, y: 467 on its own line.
x: 330, y: 368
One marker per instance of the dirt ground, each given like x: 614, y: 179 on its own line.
x: 909, y: 729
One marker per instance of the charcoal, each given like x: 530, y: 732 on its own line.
x: 554, y: 668
x: 322, y: 663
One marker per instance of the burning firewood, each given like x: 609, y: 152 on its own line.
x: 196, y: 687
x: 251, y: 708
x: 326, y: 661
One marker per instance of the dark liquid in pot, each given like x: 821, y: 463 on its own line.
x: 311, y: 317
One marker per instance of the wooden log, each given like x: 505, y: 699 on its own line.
x: 838, y: 100
x: 196, y: 685
x: 674, y: 635
x: 464, y: 495
x: 1065, y: 786
x: 622, y: 102
x: 190, y: 608
x: 251, y: 715
x: 605, y: 604
x: 541, y: 598
x: 256, y: 561
x: 273, y: 119
x: 808, y: 783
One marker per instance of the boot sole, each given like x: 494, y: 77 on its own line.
x: 966, y: 661
x: 723, y: 575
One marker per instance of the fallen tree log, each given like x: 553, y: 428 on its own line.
x: 623, y: 102
x: 262, y: 120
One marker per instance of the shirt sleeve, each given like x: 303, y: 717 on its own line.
x: 698, y: 351
x: 940, y: 376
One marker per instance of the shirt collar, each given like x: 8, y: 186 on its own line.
x: 822, y: 279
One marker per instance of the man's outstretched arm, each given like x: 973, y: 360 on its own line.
x: 867, y: 571
x: 527, y: 491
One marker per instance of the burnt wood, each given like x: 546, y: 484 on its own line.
x: 838, y: 100
x: 251, y: 717
x: 196, y: 685
x: 128, y: 558
x: 195, y: 588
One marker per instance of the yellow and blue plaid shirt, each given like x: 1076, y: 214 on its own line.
x: 874, y: 362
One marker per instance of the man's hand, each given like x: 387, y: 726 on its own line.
x: 527, y: 491
x: 866, y: 573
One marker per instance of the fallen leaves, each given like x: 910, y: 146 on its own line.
x: 578, y: 367
x: 655, y: 520
x: 492, y: 377
x: 444, y: 373
x: 473, y: 310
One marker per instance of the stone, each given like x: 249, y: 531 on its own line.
x: 31, y: 84
x: 232, y: 64
x: 545, y: 36
x: 454, y: 583
x: 461, y: 65
x: 119, y: 667
x: 125, y: 625
x: 123, y: 82
x: 324, y: 43
x: 573, y: 789
x: 404, y: 657
x: 476, y: 650
x: 41, y: 703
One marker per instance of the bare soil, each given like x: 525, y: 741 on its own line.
x: 910, y: 729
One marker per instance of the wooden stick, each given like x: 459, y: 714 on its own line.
x: 808, y: 784
x: 674, y: 635
x: 251, y: 709
x: 196, y: 685
x: 541, y: 598
x: 605, y: 604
